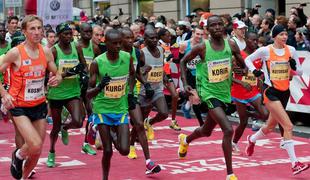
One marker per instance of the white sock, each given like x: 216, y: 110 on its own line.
x: 187, y: 105
x: 147, y: 161
x: 17, y: 154
x: 85, y: 143
x: 288, y: 145
x: 259, y: 134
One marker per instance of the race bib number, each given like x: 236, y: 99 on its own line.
x: 34, y: 89
x: 66, y: 64
x: 88, y: 60
x: 279, y: 70
x: 116, y: 88
x: 218, y: 71
x: 192, y: 64
x: 250, y: 78
x: 156, y: 74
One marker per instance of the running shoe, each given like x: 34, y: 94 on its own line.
x: 32, y: 173
x: 16, y: 166
x: 182, y: 151
x: 91, y: 134
x: 186, y: 112
x: 235, y: 149
x: 152, y: 168
x: 235, y: 114
x: 299, y: 167
x: 132, y: 153
x: 174, y: 125
x: 64, y: 136
x: 87, y: 149
x: 249, y: 149
x: 149, y: 129
x: 50, y: 160
x: 232, y: 177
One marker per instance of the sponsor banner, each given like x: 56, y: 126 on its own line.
x: 13, y: 3
x: 54, y: 12
x: 299, y: 86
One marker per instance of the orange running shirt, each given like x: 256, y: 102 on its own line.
x: 27, y: 83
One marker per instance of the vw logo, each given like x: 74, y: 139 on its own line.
x: 54, y: 5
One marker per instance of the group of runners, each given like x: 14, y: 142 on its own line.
x: 117, y: 83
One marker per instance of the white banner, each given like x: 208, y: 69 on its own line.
x: 13, y: 3
x: 54, y: 12
x: 299, y: 86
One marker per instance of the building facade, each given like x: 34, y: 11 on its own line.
x: 177, y: 9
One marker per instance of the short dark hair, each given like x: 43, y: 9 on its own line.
x: 212, y: 16
x: 269, y: 21
x: 50, y: 31
x: 112, y: 32
x: 12, y: 18
x: 162, y: 32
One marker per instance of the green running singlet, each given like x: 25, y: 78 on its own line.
x: 214, y: 75
x: 113, y: 98
x: 70, y: 86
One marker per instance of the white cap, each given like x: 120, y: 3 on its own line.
x: 159, y: 25
x: 239, y: 24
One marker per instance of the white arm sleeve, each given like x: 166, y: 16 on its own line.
x: 258, y: 54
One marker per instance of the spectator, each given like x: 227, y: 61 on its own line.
x: 12, y: 27
x: 270, y: 13
x: 300, y: 40
x: 265, y: 30
x: 281, y: 20
x: 83, y: 17
x: 227, y: 24
x: 255, y: 21
x: 51, y: 38
x: 292, y: 26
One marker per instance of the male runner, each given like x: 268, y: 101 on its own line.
x: 245, y: 91
x: 278, y: 60
x: 152, y: 56
x: 90, y: 51
x: 70, y: 62
x: 12, y: 27
x: 135, y: 114
x: 5, y: 46
x: 213, y: 81
x: 171, y: 71
x: 112, y: 77
x: 51, y: 38
x: 25, y: 98
x: 185, y: 48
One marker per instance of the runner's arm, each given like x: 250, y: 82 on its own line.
x: 258, y: 54
x: 200, y: 50
x: 93, y: 90
x: 81, y: 57
x: 55, y: 76
x: 132, y: 76
x: 139, y: 74
x: 12, y: 57
x: 236, y: 52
